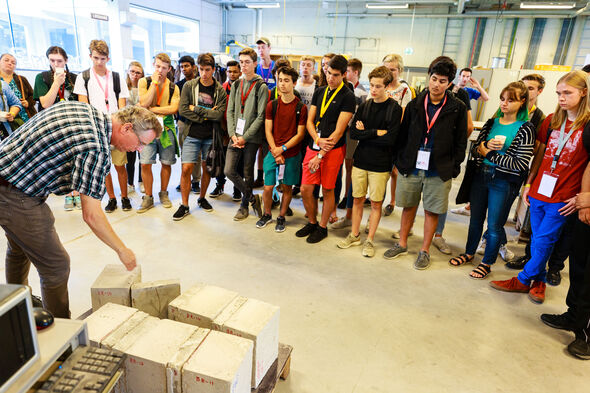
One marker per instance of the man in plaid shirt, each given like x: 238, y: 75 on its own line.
x: 64, y: 148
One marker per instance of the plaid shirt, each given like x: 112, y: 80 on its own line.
x: 63, y: 148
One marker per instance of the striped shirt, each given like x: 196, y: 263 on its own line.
x: 61, y: 149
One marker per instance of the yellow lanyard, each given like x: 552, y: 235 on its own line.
x: 325, y: 104
x: 533, y: 109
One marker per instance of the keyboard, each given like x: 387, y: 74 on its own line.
x: 86, y: 370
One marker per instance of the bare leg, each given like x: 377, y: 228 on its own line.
x: 430, y: 222
x: 357, y: 215
x: 122, y: 175
x: 109, y: 184
x: 165, y: 177
x: 328, y: 206
x: 205, y: 179
x: 374, y: 218
x: 267, y: 199
x: 393, y: 185
x: 185, y: 181
x: 286, y: 200
x: 309, y: 202
x: 148, y: 178
x: 408, y: 216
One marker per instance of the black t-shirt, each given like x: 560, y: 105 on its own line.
x: 344, y: 101
x: 204, y: 130
x: 462, y: 95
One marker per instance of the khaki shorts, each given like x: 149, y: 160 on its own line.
x: 376, y: 182
x: 118, y: 157
x: 434, y: 192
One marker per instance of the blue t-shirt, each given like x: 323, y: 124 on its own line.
x: 266, y: 74
x: 474, y: 94
x: 507, y: 130
x: 431, y: 108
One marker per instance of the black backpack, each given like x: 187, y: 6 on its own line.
x: 171, y: 86
x: 275, y: 106
x: 215, y: 160
x: 116, y: 83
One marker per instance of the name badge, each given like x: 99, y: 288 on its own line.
x: 240, y: 125
x: 547, y: 185
x: 423, y: 159
x: 315, y: 147
x: 161, y: 121
x: 281, y: 172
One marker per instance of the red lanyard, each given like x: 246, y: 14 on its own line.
x: 247, y: 94
x: 104, y: 89
x: 160, y: 93
x: 61, y: 92
x: 429, y: 123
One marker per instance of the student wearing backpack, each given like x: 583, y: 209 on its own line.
x: 554, y: 182
x: 376, y: 126
x: 103, y: 90
x: 285, y: 122
x: 158, y: 94
x: 245, y: 125
x: 202, y: 104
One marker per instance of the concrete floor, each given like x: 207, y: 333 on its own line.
x: 356, y: 324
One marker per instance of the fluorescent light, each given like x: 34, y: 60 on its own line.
x: 386, y: 6
x: 263, y: 5
x: 548, y: 5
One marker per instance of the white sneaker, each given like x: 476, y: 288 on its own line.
x: 341, y: 223
x: 481, y: 249
x: 396, y: 234
x: 462, y: 211
x: 440, y: 243
x: 506, y: 254
x: 130, y: 189
x: 141, y: 187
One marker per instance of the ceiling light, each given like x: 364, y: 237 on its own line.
x: 547, y: 5
x: 263, y: 5
x: 386, y: 6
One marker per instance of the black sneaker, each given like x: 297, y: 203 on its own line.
x: 264, y: 221
x: 559, y: 321
x: 257, y: 205
x: 111, y: 206
x: 217, y: 192
x: 517, y: 263
x: 296, y: 190
x: 306, y: 230
x: 181, y: 213
x: 318, y: 235
x: 237, y: 196
x: 367, y: 202
x: 280, y: 227
x: 580, y: 349
x: 289, y: 212
x: 258, y: 182
x: 205, y: 205
x: 195, y: 187
x: 553, y: 277
x: 342, y: 204
x: 275, y: 204
x: 125, y: 204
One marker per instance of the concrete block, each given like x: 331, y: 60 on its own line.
x: 149, y: 355
x: 148, y: 324
x: 174, y: 367
x: 227, y: 312
x: 153, y: 297
x: 116, y: 335
x: 113, y: 285
x: 259, y: 322
x: 106, y: 320
x: 221, y: 364
x: 200, y: 305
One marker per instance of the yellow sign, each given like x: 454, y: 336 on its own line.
x: 551, y: 67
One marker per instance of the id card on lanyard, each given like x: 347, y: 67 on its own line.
x: 549, y: 179
x: 324, y: 108
x: 105, y: 89
x: 423, y: 159
x: 241, y: 122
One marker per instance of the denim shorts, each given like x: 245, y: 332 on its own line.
x: 167, y: 155
x: 191, y: 148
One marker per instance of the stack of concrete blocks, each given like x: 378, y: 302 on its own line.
x: 153, y: 297
x: 200, y: 305
x: 106, y: 320
x: 174, y: 367
x: 259, y: 322
x: 221, y: 364
x: 122, y: 337
x: 113, y: 285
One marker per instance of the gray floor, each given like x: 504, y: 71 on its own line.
x: 356, y: 324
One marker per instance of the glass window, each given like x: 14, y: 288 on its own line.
x: 90, y: 28
x: 5, y: 33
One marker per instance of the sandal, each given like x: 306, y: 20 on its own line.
x: 482, y: 269
x: 462, y: 259
x: 333, y: 219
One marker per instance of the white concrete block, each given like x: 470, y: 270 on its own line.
x: 105, y: 320
x: 113, y: 285
x: 227, y: 312
x: 149, y: 355
x: 116, y: 335
x: 259, y: 322
x: 174, y: 367
x: 153, y: 297
x: 200, y: 305
x: 130, y: 338
x: 221, y: 364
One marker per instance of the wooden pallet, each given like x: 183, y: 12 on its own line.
x: 279, y: 370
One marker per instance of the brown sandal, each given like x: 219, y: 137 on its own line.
x: 482, y: 269
x: 462, y: 259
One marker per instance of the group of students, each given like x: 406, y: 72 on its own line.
x: 304, y: 127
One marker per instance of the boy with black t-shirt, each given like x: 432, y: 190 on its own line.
x: 285, y: 126
x: 202, y: 103
x: 331, y: 109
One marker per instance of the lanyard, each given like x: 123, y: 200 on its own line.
x: 104, y: 89
x: 533, y: 109
x: 160, y: 93
x: 325, y: 104
x: 276, y: 93
x: 266, y: 75
x: 430, y: 124
x: 61, y: 92
x: 244, y: 98
x: 561, y: 144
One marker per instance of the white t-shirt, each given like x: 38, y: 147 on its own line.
x: 402, y: 95
x: 306, y: 92
x: 95, y: 94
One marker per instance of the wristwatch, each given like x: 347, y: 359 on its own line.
x: 320, y: 156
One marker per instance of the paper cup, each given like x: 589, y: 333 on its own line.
x: 60, y: 70
x: 3, y: 115
x: 500, y: 138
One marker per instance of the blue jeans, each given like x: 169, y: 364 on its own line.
x: 231, y: 169
x: 494, y: 196
x: 440, y: 227
x: 547, y: 224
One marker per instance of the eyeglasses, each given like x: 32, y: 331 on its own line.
x: 136, y: 72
